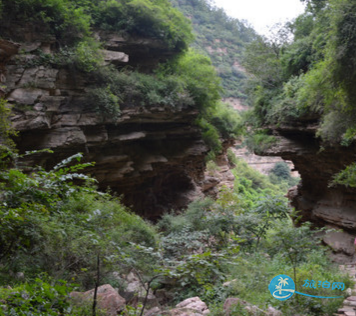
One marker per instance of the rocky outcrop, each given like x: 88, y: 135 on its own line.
x: 317, y: 164
x: 153, y: 156
x: 221, y: 177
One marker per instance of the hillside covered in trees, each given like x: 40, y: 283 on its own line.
x: 223, y: 39
x: 311, y: 77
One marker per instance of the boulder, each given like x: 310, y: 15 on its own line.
x: 273, y: 312
x: 114, y: 57
x: 27, y: 96
x: 340, y: 242
x: 194, y: 303
x: 107, y: 297
x: 153, y: 312
x: 193, y: 306
x: 135, y: 292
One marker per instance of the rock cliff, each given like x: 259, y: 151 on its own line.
x: 317, y: 163
x: 153, y: 156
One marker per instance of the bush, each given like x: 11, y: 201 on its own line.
x: 147, y: 18
x: 38, y: 298
x: 6, y: 132
x: 50, y: 225
x: 281, y: 170
x: 63, y: 18
x: 200, y: 77
x: 346, y: 177
x: 260, y: 141
x: 105, y: 102
x: 226, y: 120
x: 70, y: 20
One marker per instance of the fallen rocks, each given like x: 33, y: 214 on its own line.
x: 107, y: 297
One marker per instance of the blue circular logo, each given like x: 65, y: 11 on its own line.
x: 282, y: 287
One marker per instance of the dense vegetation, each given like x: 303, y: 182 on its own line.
x: 56, y: 227
x: 311, y: 76
x: 223, y: 39
x: 53, y: 232
x: 71, y: 20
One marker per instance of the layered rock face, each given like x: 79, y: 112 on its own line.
x: 318, y: 202
x: 153, y: 156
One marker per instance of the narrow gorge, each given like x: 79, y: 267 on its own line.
x: 123, y: 186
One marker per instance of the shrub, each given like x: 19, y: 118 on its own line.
x: 210, y: 136
x: 51, y: 225
x: 63, y: 18
x: 226, y: 120
x: 70, y: 20
x: 38, y: 298
x: 346, y: 177
x: 281, y: 170
x: 105, y: 102
x: 145, y: 18
x: 200, y: 77
x: 260, y: 141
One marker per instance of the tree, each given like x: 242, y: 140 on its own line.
x: 295, y: 243
x: 281, y: 170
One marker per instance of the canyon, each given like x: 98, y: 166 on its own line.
x: 154, y: 156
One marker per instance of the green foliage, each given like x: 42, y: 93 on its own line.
x: 202, y: 85
x: 105, y: 102
x: 250, y: 184
x: 262, y: 59
x: 346, y: 177
x: 266, y: 214
x: 294, y: 244
x: 38, y: 298
x: 280, y: 175
x: 251, y: 275
x: 288, y: 106
x: 210, y: 136
x: 50, y: 225
x: 227, y: 121
x: 222, y: 38
x: 131, y: 88
x: 312, y: 76
x: 63, y: 18
x: 281, y: 170
x: 200, y: 77
x: 42, y: 296
x: 87, y: 57
x: 70, y: 20
x: 6, y: 132
x: 260, y: 141
x: 343, y: 45
x: 203, y: 220
x: 147, y: 18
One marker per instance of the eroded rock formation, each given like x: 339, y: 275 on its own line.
x: 317, y: 164
x: 154, y: 155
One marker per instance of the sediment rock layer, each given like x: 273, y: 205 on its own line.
x: 317, y: 163
x: 153, y: 156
